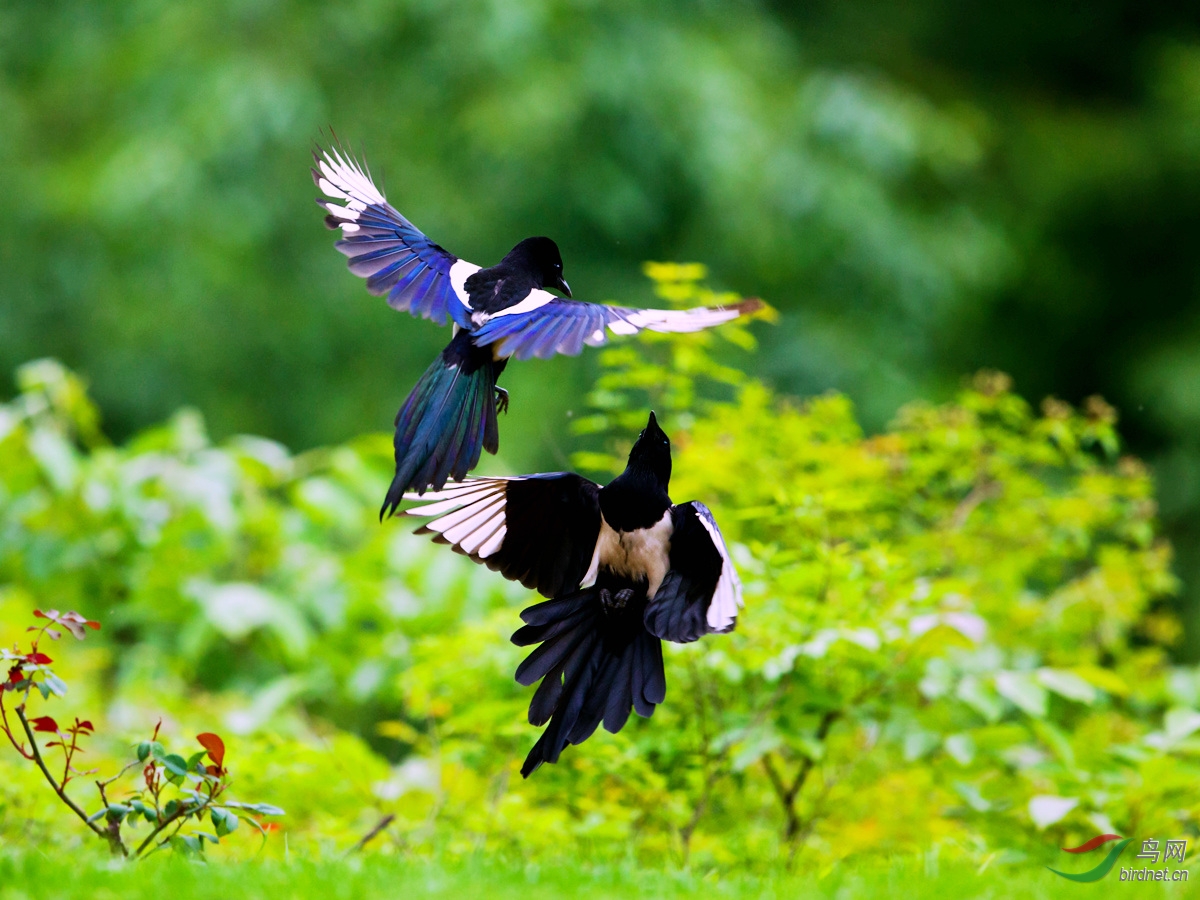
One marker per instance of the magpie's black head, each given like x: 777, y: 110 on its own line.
x: 652, y: 452
x: 539, y: 257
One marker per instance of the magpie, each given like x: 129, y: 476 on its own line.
x: 624, y: 568
x: 501, y: 312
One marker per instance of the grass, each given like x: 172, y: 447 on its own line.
x: 34, y: 875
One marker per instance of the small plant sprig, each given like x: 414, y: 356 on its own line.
x: 174, y: 791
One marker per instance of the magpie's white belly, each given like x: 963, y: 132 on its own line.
x: 638, y: 554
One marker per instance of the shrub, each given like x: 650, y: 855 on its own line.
x: 954, y: 633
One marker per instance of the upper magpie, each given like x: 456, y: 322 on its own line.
x: 624, y: 568
x: 499, y: 312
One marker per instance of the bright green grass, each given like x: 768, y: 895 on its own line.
x: 28, y: 875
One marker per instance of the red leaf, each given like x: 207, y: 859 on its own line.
x: 70, y: 620
x: 44, y: 723
x: 15, y: 675
x: 214, y: 770
x: 85, y: 725
x: 38, y: 659
x: 214, y: 745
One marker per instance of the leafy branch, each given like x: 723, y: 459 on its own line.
x: 174, y: 790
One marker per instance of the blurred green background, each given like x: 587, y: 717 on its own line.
x: 922, y: 189
x: 959, y: 615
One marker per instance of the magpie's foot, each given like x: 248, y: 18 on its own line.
x: 613, y: 602
x: 501, y: 400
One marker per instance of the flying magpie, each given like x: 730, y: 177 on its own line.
x: 624, y: 568
x: 500, y: 312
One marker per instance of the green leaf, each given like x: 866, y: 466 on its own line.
x: 143, y: 751
x: 188, y: 844
x: 224, y: 821
x: 1057, y: 740
x: 157, y: 750
x: 1023, y: 690
x: 1067, y: 684
x: 262, y: 809
x: 980, y: 697
x: 1046, y: 809
x: 971, y: 794
x: 43, y: 688
x: 193, y: 762
x: 170, y: 809
x: 54, y: 684
x: 175, y: 764
x: 960, y: 748
x: 116, y: 812
x: 1180, y: 722
x: 918, y: 743
x: 755, y: 744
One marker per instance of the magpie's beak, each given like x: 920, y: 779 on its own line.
x: 561, y: 284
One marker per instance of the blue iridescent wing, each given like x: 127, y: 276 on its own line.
x: 397, y: 259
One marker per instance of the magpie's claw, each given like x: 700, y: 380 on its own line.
x: 613, y: 602
x: 501, y: 400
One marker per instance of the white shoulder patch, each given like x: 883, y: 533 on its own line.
x: 536, y: 299
x: 459, y: 273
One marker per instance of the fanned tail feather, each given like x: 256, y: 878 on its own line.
x: 447, y: 421
x: 595, y: 666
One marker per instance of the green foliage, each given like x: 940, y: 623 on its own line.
x: 955, y: 637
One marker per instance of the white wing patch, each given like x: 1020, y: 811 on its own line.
x: 678, y: 320
x: 344, y: 179
x: 469, y: 516
x: 727, y: 598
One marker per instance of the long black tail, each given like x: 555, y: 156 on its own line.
x: 595, y: 664
x: 447, y: 420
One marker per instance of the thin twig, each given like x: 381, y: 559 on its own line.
x: 20, y: 748
x: 984, y: 490
x: 381, y: 825
x: 711, y: 767
x: 179, y: 816
x: 114, y: 840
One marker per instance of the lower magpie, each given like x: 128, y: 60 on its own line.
x: 624, y: 568
x: 501, y: 312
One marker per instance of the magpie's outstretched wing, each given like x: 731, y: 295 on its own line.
x: 398, y: 261
x: 543, y: 325
x: 700, y: 593
x: 540, y: 530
